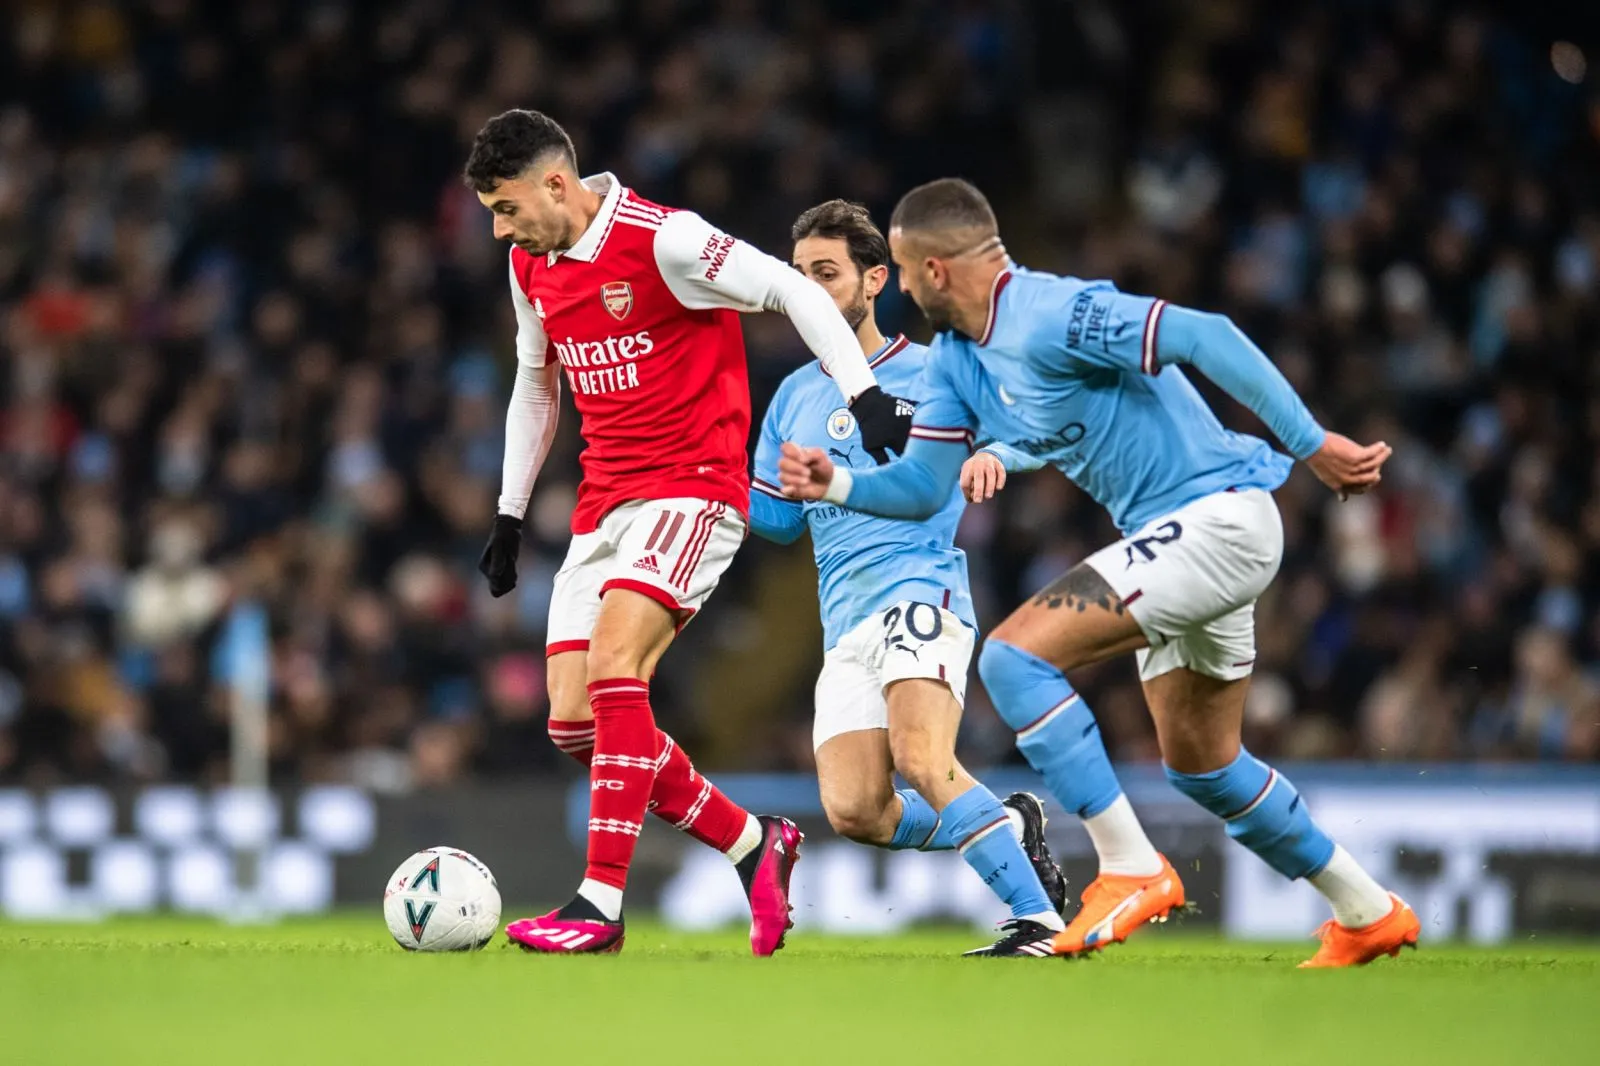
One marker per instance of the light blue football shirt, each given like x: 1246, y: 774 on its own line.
x: 865, y: 564
x: 1069, y: 375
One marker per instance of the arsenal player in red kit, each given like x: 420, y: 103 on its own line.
x: 639, y: 303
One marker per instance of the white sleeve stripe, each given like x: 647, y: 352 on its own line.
x: 768, y: 488
x: 639, y: 207
x: 635, y: 211
x: 939, y: 433
x: 1152, y: 320
x: 627, y: 220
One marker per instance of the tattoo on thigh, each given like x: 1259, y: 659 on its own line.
x: 1078, y: 589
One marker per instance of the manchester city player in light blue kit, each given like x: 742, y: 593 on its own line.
x: 1087, y: 379
x: 897, y: 620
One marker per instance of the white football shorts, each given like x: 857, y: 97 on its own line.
x: 909, y: 640
x: 674, y: 551
x: 1191, y: 580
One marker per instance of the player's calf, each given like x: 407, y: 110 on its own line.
x: 1262, y: 810
x: 1058, y: 735
x: 982, y: 830
x: 1198, y: 720
x: 923, y: 718
x: 680, y: 796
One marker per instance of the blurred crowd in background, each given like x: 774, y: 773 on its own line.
x: 255, y: 344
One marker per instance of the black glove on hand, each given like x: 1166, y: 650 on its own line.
x: 499, y: 561
x: 885, y: 422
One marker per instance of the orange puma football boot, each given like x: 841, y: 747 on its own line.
x: 1357, y: 947
x: 1114, y: 905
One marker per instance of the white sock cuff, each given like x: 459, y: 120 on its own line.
x: 606, y: 898
x: 749, y: 840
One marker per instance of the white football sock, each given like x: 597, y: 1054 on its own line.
x: 1048, y: 919
x: 1357, y: 899
x: 606, y: 899
x: 1120, y: 842
x: 749, y: 838
x: 1016, y: 822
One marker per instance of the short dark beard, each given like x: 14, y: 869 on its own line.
x: 938, y: 318
x: 857, y: 311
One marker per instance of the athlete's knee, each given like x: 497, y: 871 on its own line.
x: 858, y: 815
x: 613, y: 657
x: 629, y: 636
x: 921, y: 757
x: 1192, y: 748
x: 1012, y: 631
x: 1011, y: 673
x: 567, y: 678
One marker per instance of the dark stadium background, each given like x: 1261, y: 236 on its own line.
x: 255, y: 341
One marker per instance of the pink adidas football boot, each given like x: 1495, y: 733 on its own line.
x: 765, y: 873
x: 552, y: 934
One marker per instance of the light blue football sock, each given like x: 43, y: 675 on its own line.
x: 1262, y: 811
x: 1055, y: 730
x: 921, y: 828
x: 982, y: 832
x: 919, y: 824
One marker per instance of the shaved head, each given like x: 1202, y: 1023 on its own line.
x: 944, y: 238
x: 945, y: 218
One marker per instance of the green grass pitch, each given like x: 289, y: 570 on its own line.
x: 169, y: 992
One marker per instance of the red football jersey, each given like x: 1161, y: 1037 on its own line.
x: 660, y: 385
x: 642, y: 313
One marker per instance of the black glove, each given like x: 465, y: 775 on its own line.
x: 499, y: 560
x: 885, y: 422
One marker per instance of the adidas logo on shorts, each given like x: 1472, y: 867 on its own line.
x: 649, y: 564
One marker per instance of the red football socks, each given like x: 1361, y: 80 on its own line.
x: 574, y: 738
x: 622, y: 773
x: 689, y: 802
x: 681, y: 796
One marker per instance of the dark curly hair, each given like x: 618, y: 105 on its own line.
x: 512, y: 142
x: 849, y: 222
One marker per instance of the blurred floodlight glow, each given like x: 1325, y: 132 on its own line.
x: 297, y: 879
x: 169, y: 815
x: 126, y: 876
x: 200, y: 879
x: 31, y: 882
x: 17, y: 816
x: 245, y: 817
x: 1569, y: 62
x: 79, y: 816
x: 339, y: 818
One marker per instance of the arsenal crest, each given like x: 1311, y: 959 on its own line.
x: 618, y: 298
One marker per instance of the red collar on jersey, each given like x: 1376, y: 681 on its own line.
x: 890, y: 350
x: 1001, y: 280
